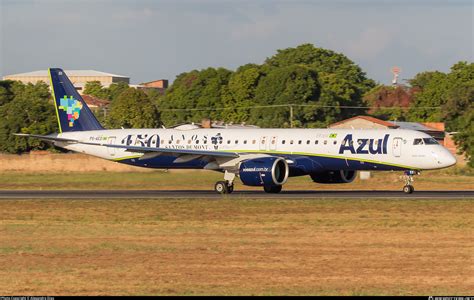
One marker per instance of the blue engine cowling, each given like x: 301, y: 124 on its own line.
x: 265, y: 171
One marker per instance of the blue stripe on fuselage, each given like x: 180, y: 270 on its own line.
x: 303, y: 165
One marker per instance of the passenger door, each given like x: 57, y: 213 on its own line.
x: 263, y: 143
x: 111, y: 150
x: 397, y: 147
x: 273, y: 143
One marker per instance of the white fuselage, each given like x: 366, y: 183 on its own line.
x: 359, y: 149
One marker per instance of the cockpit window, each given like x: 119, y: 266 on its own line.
x: 418, y: 142
x: 425, y: 141
x: 430, y: 141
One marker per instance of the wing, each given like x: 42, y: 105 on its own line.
x: 144, y: 150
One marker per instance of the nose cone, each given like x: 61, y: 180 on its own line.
x: 443, y: 158
x: 449, y: 159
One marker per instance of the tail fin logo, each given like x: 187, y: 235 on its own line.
x: 72, y: 107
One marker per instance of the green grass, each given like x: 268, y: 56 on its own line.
x: 236, y: 247
x: 449, y: 179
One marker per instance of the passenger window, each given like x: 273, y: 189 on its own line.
x: 253, y: 142
x: 307, y: 142
x: 177, y: 141
x: 291, y: 142
x: 205, y: 141
x: 170, y: 141
x: 325, y: 142
x: 228, y: 141
x: 316, y: 142
x: 197, y: 141
x: 189, y: 141
x: 335, y: 142
x: 245, y: 142
x: 236, y: 141
x: 283, y: 142
x: 299, y: 142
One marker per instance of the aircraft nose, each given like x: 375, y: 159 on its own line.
x: 449, y: 159
x: 444, y: 158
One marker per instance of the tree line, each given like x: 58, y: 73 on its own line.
x: 318, y: 83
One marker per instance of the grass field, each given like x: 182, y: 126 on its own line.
x: 235, y: 247
x: 449, y: 179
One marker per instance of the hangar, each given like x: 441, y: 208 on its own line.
x: 78, y: 77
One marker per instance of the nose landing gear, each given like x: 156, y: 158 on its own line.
x: 408, y: 177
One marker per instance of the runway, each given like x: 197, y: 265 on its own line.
x: 192, y: 194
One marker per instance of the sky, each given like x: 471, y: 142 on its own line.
x: 153, y: 39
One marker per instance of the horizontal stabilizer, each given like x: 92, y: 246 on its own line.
x: 48, y: 138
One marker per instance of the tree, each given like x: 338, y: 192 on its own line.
x: 324, y: 61
x: 296, y: 84
x: 460, y: 95
x: 115, y: 89
x: 465, y: 137
x: 6, y: 91
x: 343, y: 83
x: 95, y: 88
x: 199, y: 90
x: 30, y: 111
x: 133, y: 109
x: 434, y: 87
x: 240, y: 93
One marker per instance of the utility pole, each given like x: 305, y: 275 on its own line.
x: 291, y: 116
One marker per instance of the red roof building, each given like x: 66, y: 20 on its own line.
x: 94, y: 102
x: 363, y: 122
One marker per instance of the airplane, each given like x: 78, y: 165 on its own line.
x: 259, y: 157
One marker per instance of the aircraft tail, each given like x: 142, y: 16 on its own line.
x: 72, y: 111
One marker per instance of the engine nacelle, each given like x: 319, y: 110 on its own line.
x: 339, y: 176
x: 264, y: 171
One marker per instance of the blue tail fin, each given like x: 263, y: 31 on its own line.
x: 72, y: 112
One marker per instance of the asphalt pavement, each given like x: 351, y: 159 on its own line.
x: 193, y: 194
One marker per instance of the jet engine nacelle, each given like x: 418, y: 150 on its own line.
x: 264, y: 171
x: 339, y: 176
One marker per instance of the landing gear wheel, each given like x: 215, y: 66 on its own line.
x: 221, y: 187
x: 274, y: 189
x: 408, y: 189
x: 408, y: 176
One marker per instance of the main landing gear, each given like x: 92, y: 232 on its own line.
x: 408, y: 177
x: 226, y: 186
x: 273, y: 189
